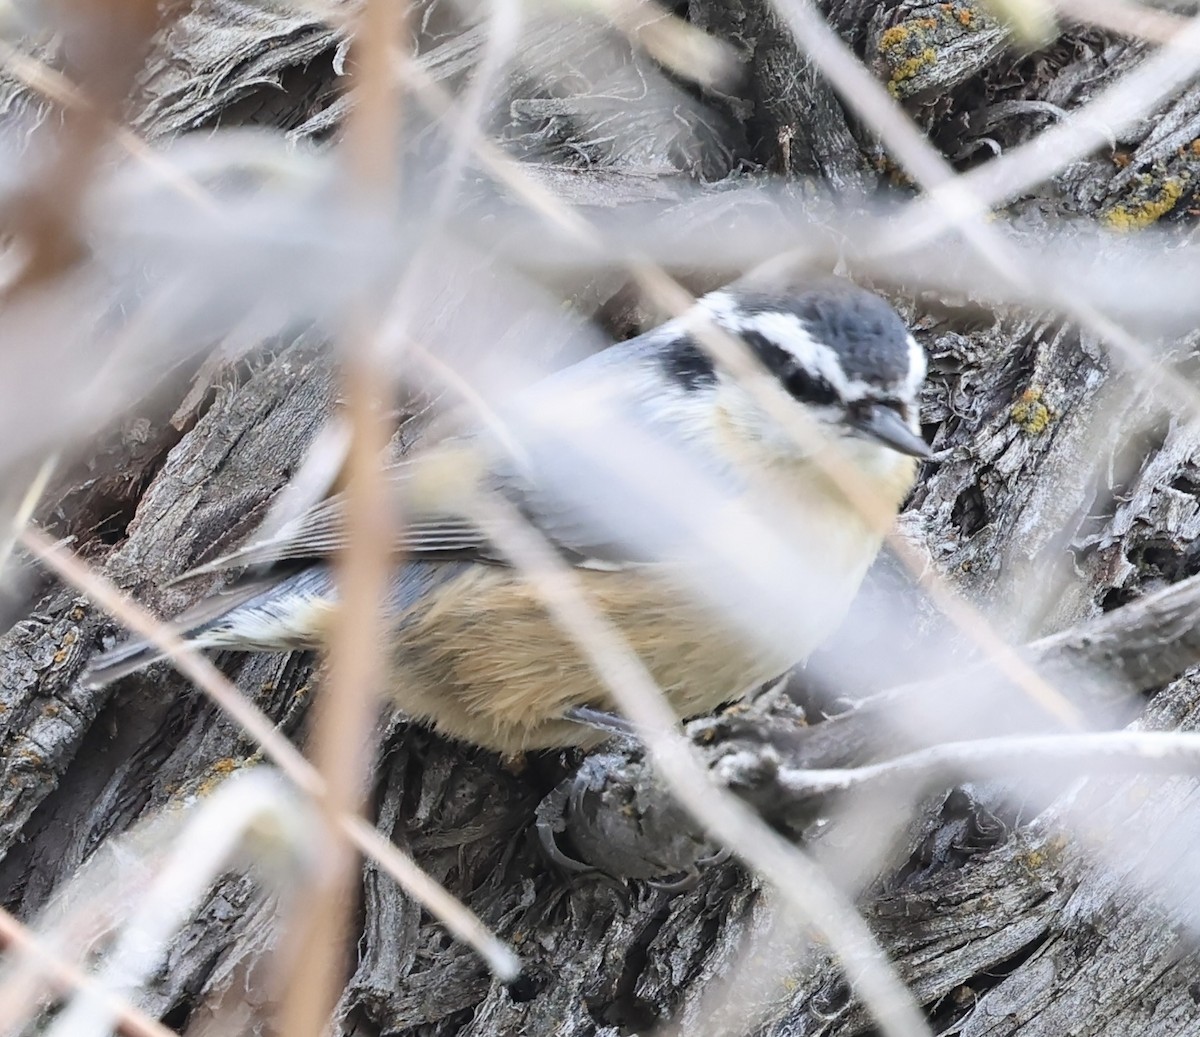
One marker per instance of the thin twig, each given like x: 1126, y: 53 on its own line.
x: 795, y: 878
x: 1125, y: 18
x: 455, y: 915
x: 1158, y: 752
x: 25, y: 508
x: 66, y: 978
x: 500, y: 40
x: 344, y: 730
x: 217, y: 827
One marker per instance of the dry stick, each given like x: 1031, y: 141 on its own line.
x: 1124, y: 18
x: 970, y: 195
x: 67, y: 978
x: 25, y: 508
x: 1158, y: 752
x: 796, y: 879
x: 56, y: 87
x: 957, y: 204
x: 864, y: 94
x: 504, y: 27
x: 456, y: 916
x: 343, y: 737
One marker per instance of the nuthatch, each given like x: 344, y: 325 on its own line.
x: 473, y: 651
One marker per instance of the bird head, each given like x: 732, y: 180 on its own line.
x: 840, y: 352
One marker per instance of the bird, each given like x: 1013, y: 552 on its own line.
x: 473, y: 652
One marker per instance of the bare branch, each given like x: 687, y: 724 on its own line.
x: 799, y: 882
x: 455, y: 915
x: 66, y: 979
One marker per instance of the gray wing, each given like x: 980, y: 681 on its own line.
x: 320, y: 532
x: 544, y: 485
x: 550, y: 486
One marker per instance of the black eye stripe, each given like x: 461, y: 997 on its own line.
x: 800, y: 383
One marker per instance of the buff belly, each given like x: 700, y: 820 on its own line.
x: 488, y: 665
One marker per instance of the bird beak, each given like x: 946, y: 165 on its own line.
x: 886, y: 426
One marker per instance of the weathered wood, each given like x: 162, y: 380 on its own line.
x: 1063, y: 492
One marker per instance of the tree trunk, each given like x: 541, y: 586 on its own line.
x: 1066, y: 493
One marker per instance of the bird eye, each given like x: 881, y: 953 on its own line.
x: 803, y: 386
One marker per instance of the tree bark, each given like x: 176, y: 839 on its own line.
x: 1066, y: 494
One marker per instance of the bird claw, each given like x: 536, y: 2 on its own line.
x: 550, y: 821
x: 688, y: 880
x: 600, y: 720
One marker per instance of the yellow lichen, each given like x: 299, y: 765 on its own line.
x: 1136, y: 214
x: 909, y: 68
x: 894, y: 37
x: 1049, y: 854
x: 962, y: 15
x: 906, y: 49
x: 1030, y: 414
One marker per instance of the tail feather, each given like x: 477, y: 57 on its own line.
x: 120, y: 662
x: 192, y: 625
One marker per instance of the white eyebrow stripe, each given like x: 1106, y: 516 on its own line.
x: 918, y: 367
x: 787, y: 331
